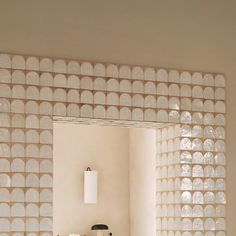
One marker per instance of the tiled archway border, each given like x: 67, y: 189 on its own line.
x: 33, y: 90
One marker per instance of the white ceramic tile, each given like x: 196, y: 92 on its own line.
x: 185, y: 77
x: 18, y: 77
x: 59, y: 81
x: 46, y: 64
x: 86, y: 83
x: 4, y: 105
x: 99, y: 69
x: 32, y: 181
x: 5, y: 76
x: 46, y: 122
x: 73, y: 96
x: 32, y: 121
x: 73, y: 82
x: 5, y: 90
x: 46, y: 181
x: 32, y: 150
x: 32, y: 92
x: 125, y: 99
x: 73, y: 110
x: 113, y: 85
x: 46, y: 224
x: 32, y: 78
x: 219, y: 81
x: 32, y: 166
x: 17, y: 224
x: 32, y: 210
x: 112, y: 113
x: 32, y: 224
x: 137, y: 114
x: 4, y: 165
x: 45, y: 151
x: 59, y: 109
x: 125, y: 113
x: 18, y: 165
x: 137, y: 100
x: 174, y: 103
x: 208, y: 80
x: 46, y: 209
x: 112, y: 71
x: 100, y: 98
x: 73, y: 67
x: 137, y: 73
x: 18, y: 62
x: 46, y: 166
x: 125, y: 72
x: 32, y: 195
x: 17, y: 106
x: 112, y: 99
x: 162, y: 89
x: 150, y: 74
x: 220, y: 94
x: 32, y: 63
x: 45, y: 108
x: 59, y: 66
x: 17, y: 195
x: 4, y: 135
x: 150, y: 115
x: 4, y: 150
x: 18, y: 210
x: 125, y: 86
x: 5, y: 61
x: 86, y: 68
x: 4, y: 225
x: 174, y: 76
x: 137, y: 87
x: 31, y: 107
x: 99, y: 112
x: 162, y: 116
x: 46, y: 79
x: 100, y: 84
x: 4, y: 195
x: 86, y: 97
x: 59, y: 95
x: 220, y: 107
x: 46, y: 195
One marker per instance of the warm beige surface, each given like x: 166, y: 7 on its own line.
x: 126, y: 180
x: 105, y: 149
x: 198, y: 35
x: 142, y: 181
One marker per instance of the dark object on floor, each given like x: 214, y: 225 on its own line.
x: 99, y: 227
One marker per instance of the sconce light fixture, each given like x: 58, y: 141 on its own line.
x: 90, y: 186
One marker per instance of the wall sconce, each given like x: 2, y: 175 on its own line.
x: 90, y: 186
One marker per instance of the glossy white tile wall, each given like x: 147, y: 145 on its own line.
x: 191, y: 180
x: 34, y: 89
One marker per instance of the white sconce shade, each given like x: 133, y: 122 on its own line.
x: 90, y: 186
